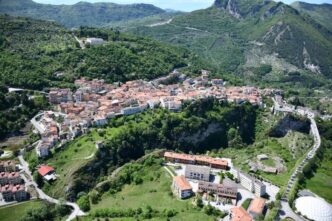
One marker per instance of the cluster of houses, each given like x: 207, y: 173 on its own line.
x: 51, y: 133
x: 199, y: 168
x: 11, y: 184
x: 94, y: 102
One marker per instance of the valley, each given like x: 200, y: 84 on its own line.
x: 133, y: 112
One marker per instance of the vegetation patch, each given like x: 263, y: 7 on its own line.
x: 137, y: 200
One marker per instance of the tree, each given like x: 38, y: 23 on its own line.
x: 38, y: 179
x: 84, y: 203
x: 234, y: 138
x: 199, y: 202
x: 94, y: 196
x: 208, y: 210
x: 61, y: 209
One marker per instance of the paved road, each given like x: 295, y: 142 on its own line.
x: 288, y: 212
x: 80, y: 42
x: 12, y: 89
x: 76, y: 210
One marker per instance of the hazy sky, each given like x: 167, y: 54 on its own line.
x: 183, y: 5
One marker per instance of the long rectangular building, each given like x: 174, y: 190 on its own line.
x: 196, y: 159
x: 219, y: 189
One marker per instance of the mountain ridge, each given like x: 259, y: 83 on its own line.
x: 322, y: 13
x: 232, y: 33
x: 80, y: 14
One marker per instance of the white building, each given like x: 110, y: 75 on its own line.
x: 100, y: 120
x: 197, y: 172
x: 250, y: 183
x: 259, y: 188
x: 131, y: 110
x: 94, y: 41
x: 247, y: 182
x: 42, y: 149
x: 314, y: 208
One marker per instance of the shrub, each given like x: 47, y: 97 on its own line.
x: 84, y: 203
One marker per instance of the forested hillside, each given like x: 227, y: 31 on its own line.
x: 16, y: 109
x: 80, y: 14
x: 38, y: 54
x: 262, y: 41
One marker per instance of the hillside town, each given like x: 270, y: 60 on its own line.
x: 94, y: 102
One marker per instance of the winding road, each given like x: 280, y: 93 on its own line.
x: 287, y: 211
x: 76, y: 210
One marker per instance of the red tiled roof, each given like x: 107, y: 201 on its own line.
x: 206, y: 159
x: 179, y: 156
x: 45, y: 169
x: 240, y: 214
x: 182, y: 183
x: 257, y: 205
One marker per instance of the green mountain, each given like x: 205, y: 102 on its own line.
x: 261, y: 40
x: 80, y: 14
x: 34, y: 52
x: 321, y: 13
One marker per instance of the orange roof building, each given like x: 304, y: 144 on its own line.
x: 240, y: 214
x: 45, y: 170
x: 196, y: 159
x: 257, y: 206
x: 181, y: 187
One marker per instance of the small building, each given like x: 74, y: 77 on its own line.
x: 14, y: 178
x: 100, y: 120
x: 19, y: 192
x: 7, y: 193
x: 99, y: 144
x: 47, y: 172
x: 262, y: 157
x: 7, y: 166
x: 131, y: 110
x: 240, y: 214
x: 3, y: 178
x: 197, y: 172
x: 94, y: 41
x: 43, y: 149
x: 181, y: 187
x: 219, y: 189
x: 256, y: 207
x: 217, y: 82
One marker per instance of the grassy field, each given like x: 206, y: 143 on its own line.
x: 289, y: 148
x: 15, y: 212
x: 155, y: 191
x: 321, y: 182
x: 71, y: 158
x: 269, y: 162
